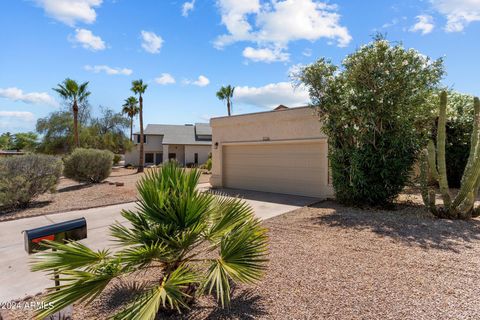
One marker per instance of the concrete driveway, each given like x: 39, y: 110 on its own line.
x: 16, y: 280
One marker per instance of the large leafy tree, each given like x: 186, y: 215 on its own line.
x: 226, y: 94
x: 6, y: 141
x: 131, y: 109
x: 199, y: 241
x: 75, y: 95
x: 138, y: 87
x: 374, y: 110
x: 103, y: 132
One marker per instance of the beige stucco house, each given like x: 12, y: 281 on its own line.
x: 282, y: 151
x: 187, y: 144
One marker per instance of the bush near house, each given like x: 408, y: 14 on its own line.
x: 88, y: 165
x: 22, y: 178
x: 374, y: 110
x: 116, y: 159
x: 200, y: 243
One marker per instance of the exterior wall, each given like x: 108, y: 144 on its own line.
x: 153, y: 145
x: 282, y: 126
x: 179, y: 151
x: 202, y: 151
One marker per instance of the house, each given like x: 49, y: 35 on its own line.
x: 281, y: 151
x: 187, y: 144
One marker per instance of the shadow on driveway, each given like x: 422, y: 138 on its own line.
x: 278, y: 198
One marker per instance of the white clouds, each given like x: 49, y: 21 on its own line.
x: 459, y: 13
x: 71, y: 11
x: 87, y: 40
x: 424, y: 24
x: 18, y: 115
x: 108, y: 70
x: 276, y: 23
x: 265, y: 55
x: 151, y: 42
x: 187, y: 7
x: 16, y: 94
x: 272, y: 95
x: 201, y: 81
x: 165, y: 78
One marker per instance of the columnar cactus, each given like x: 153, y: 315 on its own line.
x: 433, y: 165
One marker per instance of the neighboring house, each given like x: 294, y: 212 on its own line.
x: 282, y: 151
x: 187, y: 144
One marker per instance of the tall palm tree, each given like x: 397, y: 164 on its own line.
x: 138, y: 87
x: 130, y: 108
x: 196, y: 242
x: 76, y: 95
x: 226, y: 94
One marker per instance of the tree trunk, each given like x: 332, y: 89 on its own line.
x: 228, y: 107
x: 75, y: 125
x: 131, y: 128
x: 141, y: 158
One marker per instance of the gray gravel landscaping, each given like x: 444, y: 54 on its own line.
x: 332, y: 262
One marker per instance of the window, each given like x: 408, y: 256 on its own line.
x: 172, y: 156
x: 158, y: 158
x: 144, y: 138
x: 148, y: 157
x: 195, y: 156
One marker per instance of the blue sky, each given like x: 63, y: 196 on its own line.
x: 186, y: 50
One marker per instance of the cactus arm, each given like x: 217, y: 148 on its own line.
x: 442, y: 168
x: 432, y: 160
x: 471, y: 177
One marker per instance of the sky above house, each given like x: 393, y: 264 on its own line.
x: 186, y: 50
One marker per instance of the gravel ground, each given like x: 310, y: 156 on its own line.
x: 332, y: 262
x: 72, y: 195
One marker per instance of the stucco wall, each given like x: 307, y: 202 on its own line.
x: 154, y: 144
x: 263, y: 128
x: 202, y: 151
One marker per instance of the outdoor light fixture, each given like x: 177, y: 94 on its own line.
x: 216, y: 145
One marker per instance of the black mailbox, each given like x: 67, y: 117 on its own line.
x: 68, y: 230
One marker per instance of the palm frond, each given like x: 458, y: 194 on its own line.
x: 169, y: 294
x: 81, y: 286
x: 243, y: 258
x: 141, y: 256
x: 67, y: 256
x: 227, y: 213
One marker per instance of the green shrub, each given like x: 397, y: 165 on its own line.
x: 116, y: 159
x: 88, y: 165
x: 23, y: 178
x: 375, y: 111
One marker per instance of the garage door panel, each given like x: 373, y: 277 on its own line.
x: 294, y: 168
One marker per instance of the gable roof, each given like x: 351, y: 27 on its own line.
x: 180, y: 134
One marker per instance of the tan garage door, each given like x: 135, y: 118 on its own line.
x: 291, y: 168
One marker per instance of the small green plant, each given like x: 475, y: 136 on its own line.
x: 116, y: 159
x: 23, y: 178
x: 200, y: 242
x: 88, y: 165
x: 434, y: 165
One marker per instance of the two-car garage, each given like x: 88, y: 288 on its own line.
x: 278, y: 151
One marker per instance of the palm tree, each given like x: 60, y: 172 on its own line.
x: 138, y: 87
x: 76, y: 95
x: 175, y: 229
x: 226, y: 94
x: 130, y: 108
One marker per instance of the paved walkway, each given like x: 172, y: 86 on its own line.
x: 16, y: 279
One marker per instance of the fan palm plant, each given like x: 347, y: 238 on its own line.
x: 226, y: 94
x: 200, y: 241
x: 138, y: 87
x: 130, y: 108
x: 74, y: 94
